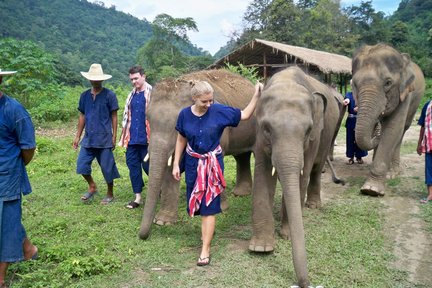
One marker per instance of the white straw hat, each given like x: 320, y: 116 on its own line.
x: 2, y: 73
x: 95, y: 73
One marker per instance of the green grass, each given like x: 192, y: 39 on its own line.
x: 90, y: 245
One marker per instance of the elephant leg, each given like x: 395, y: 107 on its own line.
x: 395, y: 164
x: 284, y: 231
x: 168, y: 212
x: 243, y: 184
x: 314, y: 188
x: 262, y: 206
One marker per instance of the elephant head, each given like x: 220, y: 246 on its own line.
x: 382, y: 80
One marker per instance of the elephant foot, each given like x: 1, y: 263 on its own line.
x: 242, y: 190
x: 313, y: 204
x: 393, y: 173
x: 165, y: 218
x: 284, y: 232
x: 261, y: 245
x: 373, y: 188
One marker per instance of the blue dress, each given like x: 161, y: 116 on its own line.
x: 352, y: 150
x: 203, y: 134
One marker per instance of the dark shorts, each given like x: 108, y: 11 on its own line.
x: 428, y: 169
x: 105, y: 158
x: 12, y: 232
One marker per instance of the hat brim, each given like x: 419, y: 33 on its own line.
x: 3, y: 73
x: 95, y: 77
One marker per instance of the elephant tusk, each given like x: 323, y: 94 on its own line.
x: 273, y: 171
x: 301, y: 172
x: 146, y: 157
x: 170, y: 161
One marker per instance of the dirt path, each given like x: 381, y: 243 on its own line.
x: 404, y: 229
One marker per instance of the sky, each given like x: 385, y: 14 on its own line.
x: 216, y: 19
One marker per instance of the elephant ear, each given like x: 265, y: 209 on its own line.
x: 319, y: 108
x: 407, y: 81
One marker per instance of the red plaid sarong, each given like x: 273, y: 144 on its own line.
x: 210, y: 180
x: 427, y: 137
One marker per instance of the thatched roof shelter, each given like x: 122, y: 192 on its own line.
x: 269, y: 57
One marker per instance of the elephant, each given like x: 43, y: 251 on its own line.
x: 389, y: 88
x: 169, y: 96
x: 297, y: 117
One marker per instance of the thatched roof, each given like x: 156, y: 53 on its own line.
x: 269, y: 56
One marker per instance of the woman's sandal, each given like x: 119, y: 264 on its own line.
x: 350, y: 161
x: 132, y: 205
x: 203, y: 261
x: 425, y: 200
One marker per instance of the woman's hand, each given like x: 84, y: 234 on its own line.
x: 176, y: 172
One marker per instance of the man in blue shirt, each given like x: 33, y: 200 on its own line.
x: 136, y: 131
x: 17, y: 145
x: 98, y: 114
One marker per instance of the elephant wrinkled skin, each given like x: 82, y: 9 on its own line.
x: 168, y: 98
x: 388, y: 87
x: 297, y: 117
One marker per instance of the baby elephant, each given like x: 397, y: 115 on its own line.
x: 297, y: 117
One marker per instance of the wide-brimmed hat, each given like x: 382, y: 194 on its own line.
x: 95, y: 73
x: 2, y: 73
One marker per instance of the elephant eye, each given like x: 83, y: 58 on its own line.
x: 388, y: 83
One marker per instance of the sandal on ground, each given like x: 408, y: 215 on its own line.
x: 87, y: 196
x: 132, y: 205
x: 350, y: 161
x: 425, y: 200
x: 203, y: 261
x: 360, y: 161
x: 107, y: 200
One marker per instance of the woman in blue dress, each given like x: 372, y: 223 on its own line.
x: 200, y: 128
x: 352, y: 150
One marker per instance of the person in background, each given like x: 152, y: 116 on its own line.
x: 200, y: 128
x: 17, y: 146
x: 98, y: 115
x: 136, y: 132
x: 352, y: 150
x: 425, y: 146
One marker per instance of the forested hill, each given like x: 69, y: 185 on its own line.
x: 79, y: 32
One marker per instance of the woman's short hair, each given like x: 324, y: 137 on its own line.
x: 199, y: 88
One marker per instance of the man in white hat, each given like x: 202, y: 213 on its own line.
x: 98, y: 114
x: 17, y: 145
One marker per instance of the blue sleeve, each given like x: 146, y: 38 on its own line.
x: 422, y: 118
x: 180, y: 122
x: 24, y: 129
x: 113, y: 102
x: 229, y: 116
x: 81, y: 103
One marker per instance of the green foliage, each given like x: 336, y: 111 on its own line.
x: 81, y: 33
x: 162, y: 56
x: 250, y: 73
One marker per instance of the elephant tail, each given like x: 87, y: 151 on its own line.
x: 335, y: 178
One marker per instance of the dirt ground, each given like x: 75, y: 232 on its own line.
x: 411, y: 244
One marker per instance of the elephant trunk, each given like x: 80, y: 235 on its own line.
x: 368, y: 117
x: 289, y: 176
x: 158, y: 166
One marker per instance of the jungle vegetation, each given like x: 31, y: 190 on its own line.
x: 50, y: 41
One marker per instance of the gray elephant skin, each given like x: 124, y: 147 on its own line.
x: 388, y: 87
x: 297, y: 117
x: 168, y: 98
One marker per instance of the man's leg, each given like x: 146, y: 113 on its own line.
x: 134, y: 162
x: 105, y: 158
